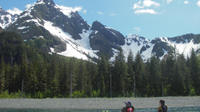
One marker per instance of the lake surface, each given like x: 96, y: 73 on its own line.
x: 184, y: 109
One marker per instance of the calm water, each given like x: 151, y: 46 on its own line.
x: 185, y: 109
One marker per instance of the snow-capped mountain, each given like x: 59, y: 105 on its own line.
x: 7, y: 17
x: 161, y: 46
x: 62, y: 27
x: 63, y: 31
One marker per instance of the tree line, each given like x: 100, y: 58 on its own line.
x: 28, y: 71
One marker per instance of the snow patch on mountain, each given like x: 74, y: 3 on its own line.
x: 134, y: 43
x: 79, y: 49
x: 85, y: 43
x: 56, y: 31
x: 116, y: 52
x: 185, y: 48
x: 72, y: 52
x: 182, y: 48
x: 131, y: 46
x: 7, y: 19
x: 148, y: 52
x: 68, y: 10
x: 28, y: 10
x: 14, y: 11
x: 165, y: 53
x: 22, y: 27
x: 85, y: 39
x: 36, y: 21
x: 40, y: 2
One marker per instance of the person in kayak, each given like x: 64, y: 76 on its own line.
x: 128, y: 107
x: 162, y: 107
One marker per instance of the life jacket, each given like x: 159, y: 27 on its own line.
x: 163, y: 109
x: 130, y: 109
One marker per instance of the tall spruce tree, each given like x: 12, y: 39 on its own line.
x: 2, y: 75
x: 139, y: 70
x: 131, y: 74
x: 183, y: 76
x: 195, y: 73
x: 120, y: 75
x: 103, y: 76
x: 154, y: 78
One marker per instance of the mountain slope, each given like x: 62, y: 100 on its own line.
x: 46, y: 20
x: 105, y: 40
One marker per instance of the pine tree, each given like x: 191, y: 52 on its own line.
x: 23, y: 73
x: 131, y: 75
x: 63, y: 83
x: 169, y: 73
x: 195, y: 74
x: 14, y: 82
x: 139, y: 70
x: 72, y: 75
x: 41, y: 74
x: 154, y: 78
x: 184, y: 74
x: 81, y: 80
x: 121, y: 74
x: 103, y: 74
x: 2, y: 75
x: 91, y: 70
x: 52, y: 79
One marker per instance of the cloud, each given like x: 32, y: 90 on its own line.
x: 100, y: 13
x: 14, y: 11
x: 169, y: 1
x: 145, y: 7
x: 84, y: 11
x: 198, y: 3
x: 145, y: 3
x: 145, y: 11
x: 186, y: 2
x: 113, y: 14
x: 28, y: 6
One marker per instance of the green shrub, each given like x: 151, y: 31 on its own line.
x: 192, y: 92
x: 78, y: 94
x: 6, y: 94
x: 95, y: 93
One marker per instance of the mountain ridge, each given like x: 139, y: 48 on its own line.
x: 67, y: 33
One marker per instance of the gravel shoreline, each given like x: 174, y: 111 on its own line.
x: 97, y: 103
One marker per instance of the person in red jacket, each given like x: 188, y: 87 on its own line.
x: 128, y: 107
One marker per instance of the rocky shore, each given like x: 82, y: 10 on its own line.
x: 97, y: 103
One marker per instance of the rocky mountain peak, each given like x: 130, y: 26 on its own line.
x: 97, y: 25
x: 2, y: 12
